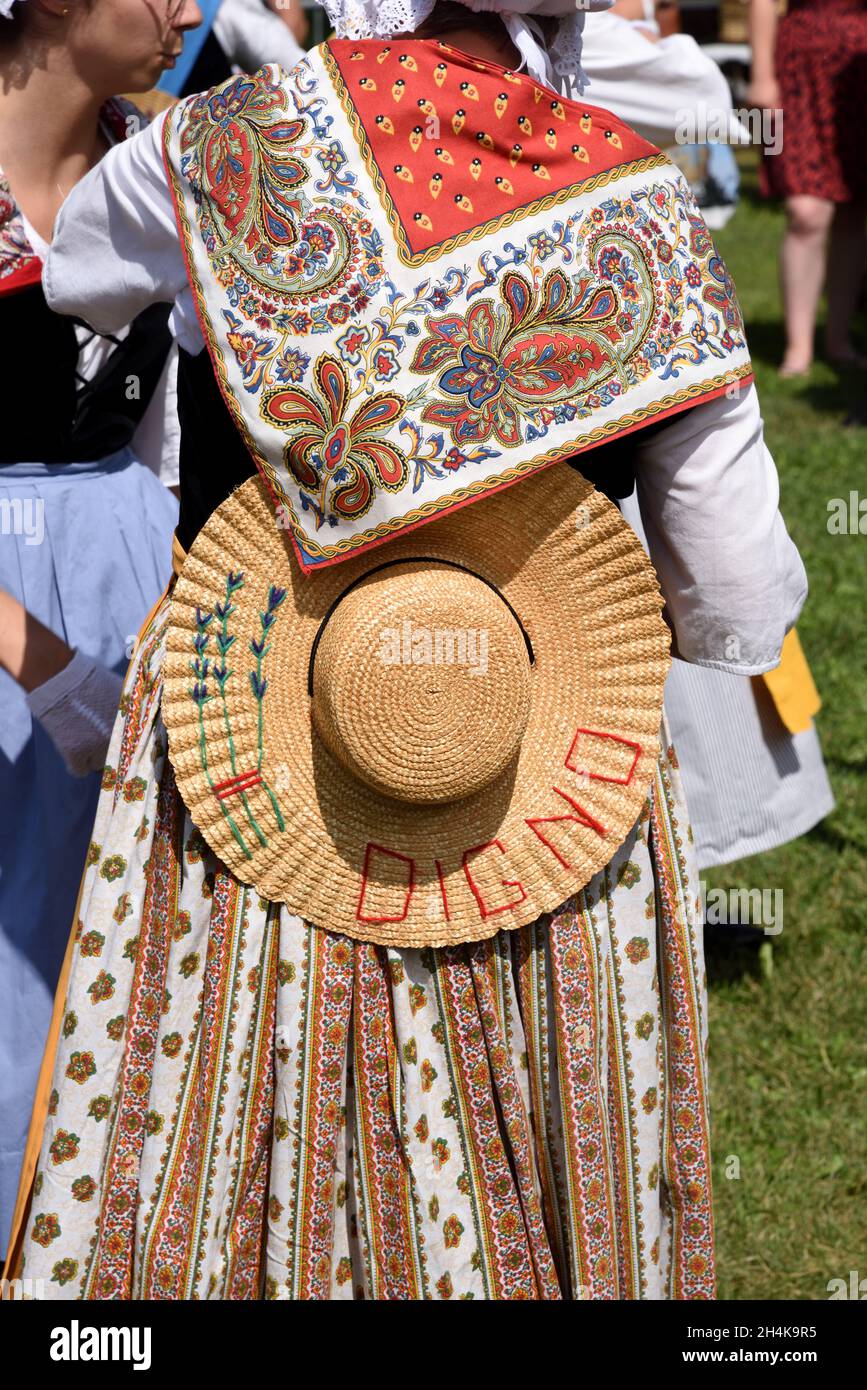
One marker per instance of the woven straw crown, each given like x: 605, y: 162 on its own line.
x: 429, y: 747
x: 448, y: 734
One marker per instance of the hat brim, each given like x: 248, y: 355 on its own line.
x: 284, y: 814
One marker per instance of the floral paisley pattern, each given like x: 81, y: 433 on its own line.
x: 339, y: 459
x: 544, y: 350
x: 395, y: 334
x: 277, y: 248
x: 245, y: 1106
x: 274, y: 245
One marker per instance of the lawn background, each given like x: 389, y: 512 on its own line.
x: 787, y: 1020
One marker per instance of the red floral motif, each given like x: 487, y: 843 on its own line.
x: 452, y: 1232
x: 637, y: 950
x: 134, y: 789
x: 344, y: 457
x: 64, y: 1146
x: 46, y: 1228
x: 81, y: 1067
x: 493, y: 366
x: 102, y: 987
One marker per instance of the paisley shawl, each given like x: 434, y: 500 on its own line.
x: 422, y: 277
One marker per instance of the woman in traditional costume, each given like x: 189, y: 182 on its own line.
x: 85, y: 547
x: 387, y: 978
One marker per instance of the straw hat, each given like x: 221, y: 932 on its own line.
x: 431, y: 741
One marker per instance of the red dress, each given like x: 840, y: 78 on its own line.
x: 821, y: 64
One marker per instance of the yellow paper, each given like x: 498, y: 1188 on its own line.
x: 792, y: 687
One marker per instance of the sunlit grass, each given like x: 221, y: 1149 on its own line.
x: 788, y: 1035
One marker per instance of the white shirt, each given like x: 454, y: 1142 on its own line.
x: 732, y: 578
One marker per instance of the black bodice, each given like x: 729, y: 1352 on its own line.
x: 48, y: 414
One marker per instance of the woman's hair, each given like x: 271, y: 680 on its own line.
x: 12, y: 28
x: 447, y: 15
x: 31, y: 18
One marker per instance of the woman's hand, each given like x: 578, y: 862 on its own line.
x: 764, y: 94
x: 29, y: 651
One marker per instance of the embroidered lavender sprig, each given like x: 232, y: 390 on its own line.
x: 200, y: 663
x: 200, y: 666
x: 222, y: 673
x: 224, y: 639
x: 260, y: 648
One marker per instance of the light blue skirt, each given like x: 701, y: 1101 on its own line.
x: 86, y: 547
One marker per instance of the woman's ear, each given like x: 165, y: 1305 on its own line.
x: 58, y: 8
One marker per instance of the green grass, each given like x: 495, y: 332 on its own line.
x: 787, y: 1022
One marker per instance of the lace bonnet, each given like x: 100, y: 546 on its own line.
x: 559, y: 66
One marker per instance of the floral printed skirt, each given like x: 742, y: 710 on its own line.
x: 246, y: 1106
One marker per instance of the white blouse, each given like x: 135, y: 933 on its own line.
x: 157, y: 439
x: 732, y: 578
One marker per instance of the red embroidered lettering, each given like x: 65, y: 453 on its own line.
x: 584, y: 767
x: 581, y: 817
x: 484, y: 910
x: 365, y: 877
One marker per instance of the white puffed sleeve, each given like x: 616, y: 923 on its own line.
x: 657, y: 88
x: 115, y: 248
x: 708, y: 494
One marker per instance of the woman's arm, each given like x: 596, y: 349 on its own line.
x: 74, y: 698
x: 764, y: 89
x: 732, y: 578
x: 29, y: 651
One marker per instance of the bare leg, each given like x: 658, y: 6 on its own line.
x: 845, y: 274
x: 802, y: 272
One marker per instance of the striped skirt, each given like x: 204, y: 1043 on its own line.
x: 246, y: 1106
